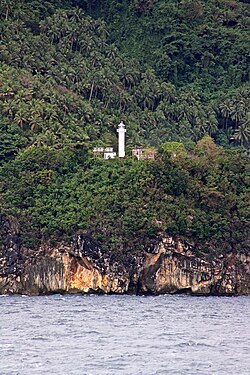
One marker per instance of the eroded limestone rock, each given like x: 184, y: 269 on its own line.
x: 171, y: 266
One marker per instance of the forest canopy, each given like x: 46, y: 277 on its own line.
x: 176, y: 72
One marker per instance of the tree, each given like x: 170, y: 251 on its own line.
x: 173, y: 149
x: 242, y: 134
x: 207, y: 145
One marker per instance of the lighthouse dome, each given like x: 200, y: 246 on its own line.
x: 121, y: 125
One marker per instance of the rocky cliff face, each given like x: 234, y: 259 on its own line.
x: 170, y: 267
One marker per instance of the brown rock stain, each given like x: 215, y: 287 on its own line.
x: 170, y: 268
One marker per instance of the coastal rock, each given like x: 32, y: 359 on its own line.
x: 171, y: 266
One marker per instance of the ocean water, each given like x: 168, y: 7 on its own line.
x: 124, y: 335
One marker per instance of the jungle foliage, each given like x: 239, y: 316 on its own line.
x: 176, y: 72
x: 126, y: 204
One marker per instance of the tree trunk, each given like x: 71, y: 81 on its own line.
x: 91, y: 91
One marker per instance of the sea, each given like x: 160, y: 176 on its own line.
x: 124, y: 335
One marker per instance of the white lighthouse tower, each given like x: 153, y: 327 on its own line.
x: 121, y: 140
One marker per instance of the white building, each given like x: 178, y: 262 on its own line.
x: 98, y: 149
x: 144, y: 153
x: 109, y: 154
x: 105, y: 152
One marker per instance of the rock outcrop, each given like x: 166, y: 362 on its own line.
x: 171, y: 266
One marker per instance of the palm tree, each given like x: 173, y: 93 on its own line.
x: 6, y: 7
x: 21, y: 117
x: 35, y: 122
x: 238, y: 111
x: 242, y: 134
x: 77, y: 14
x: 225, y: 109
x: 210, y: 123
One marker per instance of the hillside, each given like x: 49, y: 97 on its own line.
x: 173, y: 71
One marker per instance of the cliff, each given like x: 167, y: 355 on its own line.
x: 171, y: 266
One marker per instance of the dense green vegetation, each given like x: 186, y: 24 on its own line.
x: 173, y: 71
x: 126, y: 204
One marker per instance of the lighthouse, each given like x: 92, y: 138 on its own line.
x: 121, y: 140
